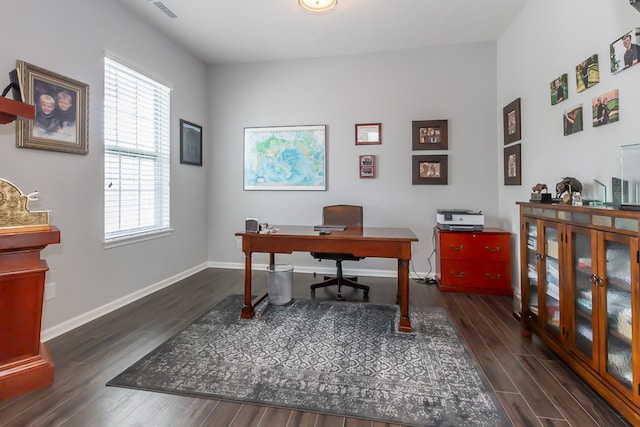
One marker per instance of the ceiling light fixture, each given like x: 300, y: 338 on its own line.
x: 317, y: 6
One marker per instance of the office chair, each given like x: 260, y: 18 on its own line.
x: 351, y: 216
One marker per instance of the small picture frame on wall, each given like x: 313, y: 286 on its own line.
x: 512, y: 165
x: 368, y: 166
x: 559, y: 89
x: 430, y: 135
x: 369, y: 134
x: 587, y: 73
x: 190, y: 143
x: 62, y: 107
x: 511, y: 122
x: 430, y: 170
x: 625, y: 51
x: 605, y: 108
x: 572, y: 120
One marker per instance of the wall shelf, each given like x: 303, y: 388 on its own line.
x: 10, y: 110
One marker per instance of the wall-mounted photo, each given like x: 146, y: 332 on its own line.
x: 190, y: 143
x: 430, y: 135
x: 511, y: 122
x: 625, y: 51
x: 572, y: 120
x: 512, y: 164
x: 62, y: 106
x: 430, y: 170
x: 606, y: 108
x: 367, y: 166
x: 369, y: 134
x: 587, y: 73
x: 559, y: 88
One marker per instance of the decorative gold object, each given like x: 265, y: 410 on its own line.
x: 14, y: 213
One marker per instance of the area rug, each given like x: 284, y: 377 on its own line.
x: 339, y: 358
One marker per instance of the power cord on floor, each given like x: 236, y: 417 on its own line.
x: 428, y: 279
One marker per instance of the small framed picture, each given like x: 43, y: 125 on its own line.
x: 605, y: 108
x: 430, y: 170
x: 369, y: 134
x: 625, y: 51
x: 559, y: 89
x: 512, y: 163
x: 62, y: 109
x: 572, y: 120
x: 587, y: 73
x: 367, y: 166
x: 511, y: 122
x: 190, y: 143
x: 430, y: 135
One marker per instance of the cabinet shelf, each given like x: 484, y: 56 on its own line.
x: 11, y: 110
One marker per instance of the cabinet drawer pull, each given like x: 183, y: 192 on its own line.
x: 493, y: 277
x: 459, y: 275
x: 456, y: 248
x: 497, y: 249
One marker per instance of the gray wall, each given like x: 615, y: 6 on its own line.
x: 457, y: 83
x: 71, y: 37
x: 537, y: 48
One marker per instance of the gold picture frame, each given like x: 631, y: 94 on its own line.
x: 369, y: 134
x: 62, y: 107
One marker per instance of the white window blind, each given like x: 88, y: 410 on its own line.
x: 136, y: 153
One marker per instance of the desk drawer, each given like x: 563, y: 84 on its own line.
x: 475, y: 246
x: 474, y: 274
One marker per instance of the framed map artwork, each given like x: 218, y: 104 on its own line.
x: 285, y: 158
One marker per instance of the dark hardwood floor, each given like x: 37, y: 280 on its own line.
x: 535, y: 388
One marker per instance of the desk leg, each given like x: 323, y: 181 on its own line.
x: 247, y: 309
x: 403, y: 291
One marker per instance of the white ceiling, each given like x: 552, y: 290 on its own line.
x: 232, y: 31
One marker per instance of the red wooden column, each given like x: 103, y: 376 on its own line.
x: 25, y: 363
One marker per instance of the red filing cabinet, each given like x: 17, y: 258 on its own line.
x: 474, y: 261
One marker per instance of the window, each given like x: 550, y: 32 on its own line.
x: 136, y: 155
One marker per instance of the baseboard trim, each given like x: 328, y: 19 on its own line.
x: 87, y: 317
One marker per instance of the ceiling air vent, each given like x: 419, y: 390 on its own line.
x: 165, y: 9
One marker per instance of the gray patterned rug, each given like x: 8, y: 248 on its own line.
x: 333, y: 357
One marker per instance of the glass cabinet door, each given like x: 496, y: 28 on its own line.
x: 552, y: 278
x: 532, y: 266
x: 616, y: 308
x: 585, y: 288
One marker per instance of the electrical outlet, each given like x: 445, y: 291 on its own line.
x: 49, y: 291
x: 239, y: 242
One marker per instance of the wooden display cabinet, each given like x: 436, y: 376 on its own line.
x: 580, y: 278
x: 25, y: 363
x: 474, y: 261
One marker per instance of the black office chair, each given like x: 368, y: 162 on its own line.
x: 351, y: 216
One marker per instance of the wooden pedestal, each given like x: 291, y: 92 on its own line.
x: 25, y: 363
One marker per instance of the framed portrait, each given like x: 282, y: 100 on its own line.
x: 559, y: 89
x: 285, y: 158
x: 625, y: 51
x: 369, y: 134
x: 605, y: 108
x: 62, y: 106
x: 511, y: 122
x: 367, y: 166
x: 572, y: 120
x: 430, y: 170
x: 430, y: 135
x: 190, y: 143
x: 587, y: 73
x: 512, y: 164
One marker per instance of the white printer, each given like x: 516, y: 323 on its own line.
x: 459, y: 220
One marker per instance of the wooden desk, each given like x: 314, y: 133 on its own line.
x: 363, y: 242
